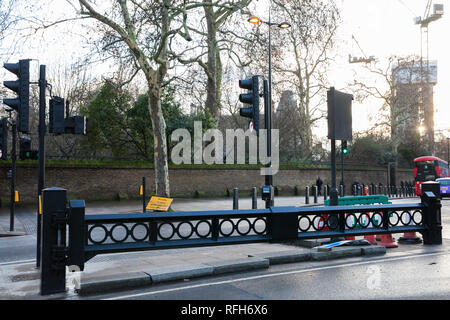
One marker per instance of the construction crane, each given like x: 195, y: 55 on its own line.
x: 427, y: 108
x: 438, y: 12
x: 363, y: 59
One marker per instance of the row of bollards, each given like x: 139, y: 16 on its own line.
x: 390, y: 191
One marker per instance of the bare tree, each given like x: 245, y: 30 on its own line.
x: 302, y: 55
x: 397, y: 87
x: 215, y: 37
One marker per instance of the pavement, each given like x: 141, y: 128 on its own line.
x: 119, y: 271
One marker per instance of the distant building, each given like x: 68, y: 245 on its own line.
x: 413, y: 117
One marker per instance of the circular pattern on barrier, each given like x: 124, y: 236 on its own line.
x: 360, y: 220
x: 255, y: 228
x: 133, y: 230
x: 353, y: 221
x: 300, y: 223
x: 320, y: 223
x: 414, y: 215
x: 405, y: 217
x: 232, y: 227
x: 95, y: 226
x: 377, y: 219
x: 111, y: 232
x: 396, y: 217
x: 171, y: 234
x: 196, y: 229
x: 249, y: 228
x: 332, y: 222
x: 178, y: 229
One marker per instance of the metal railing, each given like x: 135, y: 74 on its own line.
x: 90, y: 235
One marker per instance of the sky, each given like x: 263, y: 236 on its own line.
x: 386, y: 27
x: 381, y: 27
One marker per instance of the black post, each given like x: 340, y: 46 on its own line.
x: 41, y: 165
x: 432, y: 215
x: 254, y: 198
x: 325, y: 192
x: 333, y: 191
x: 307, y: 195
x: 315, y: 194
x: 342, y: 166
x: 13, y: 176
x: 76, y: 233
x: 268, y: 126
x: 53, y: 254
x: 235, y: 199
x: 143, y: 195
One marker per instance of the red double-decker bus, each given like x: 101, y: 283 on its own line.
x: 428, y: 169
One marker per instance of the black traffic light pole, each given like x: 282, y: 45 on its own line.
x: 342, y: 168
x: 13, y: 175
x: 41, y: 165
x: 268, y: 126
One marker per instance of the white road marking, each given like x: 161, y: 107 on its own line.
x: 278, y: 274
x: 18, y: 262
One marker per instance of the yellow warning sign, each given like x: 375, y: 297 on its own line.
x: 159, y: 204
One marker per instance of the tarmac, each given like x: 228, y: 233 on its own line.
x: 120, y: 271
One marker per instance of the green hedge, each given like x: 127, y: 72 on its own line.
x: 149, y: 165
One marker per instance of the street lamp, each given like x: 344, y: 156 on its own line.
x: 268, y: 107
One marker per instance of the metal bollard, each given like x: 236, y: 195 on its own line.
x: 235, y: 199
x: 307, y: 195
x: 254, y: 198
x: 315, y: 190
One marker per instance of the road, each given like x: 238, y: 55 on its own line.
x: 420, y: 273
x: 412, y: 276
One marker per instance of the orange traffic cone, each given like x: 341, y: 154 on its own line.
x: 409, y: 238
x: 370, y: 238
x: 387, y: 241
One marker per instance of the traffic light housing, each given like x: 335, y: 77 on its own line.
x: 251, y: 98
x: 3, y: 139
x: 344, y: 147
x: 56, y: 116
x: 22, y: 87
x: 25, y: 152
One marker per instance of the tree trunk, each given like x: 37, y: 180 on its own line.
x: 160, y: 143
x: 213, y: 64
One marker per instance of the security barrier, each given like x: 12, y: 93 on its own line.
x: 91, y: 235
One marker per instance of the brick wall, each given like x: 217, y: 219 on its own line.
x: 92, y: 183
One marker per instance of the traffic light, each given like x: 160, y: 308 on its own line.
x: 76, y: 125
x: 251, y: 98
x: 344, y: 147
x: 25, y: 152
x: 3, y: 139
x: 22, y: 87
x: 56, y: 116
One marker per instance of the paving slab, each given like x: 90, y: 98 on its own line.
x: 288, y: 256
x: 227, y: 266
x: 180, y: 273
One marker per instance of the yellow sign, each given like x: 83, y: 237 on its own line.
x: 141, y: 190
x: 40, y: 205
x: 159, y: 204
x: 16, y: 196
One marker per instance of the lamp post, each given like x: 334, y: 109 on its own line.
x: 268, y: 106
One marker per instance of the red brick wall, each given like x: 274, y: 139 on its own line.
x: 106, y: 183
